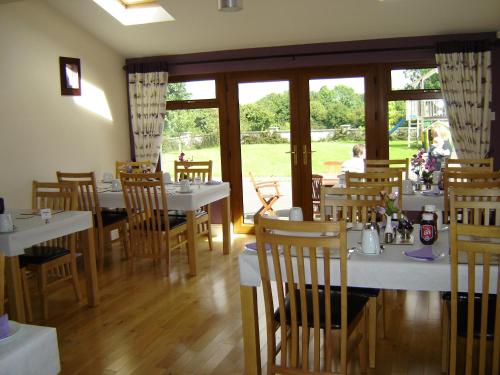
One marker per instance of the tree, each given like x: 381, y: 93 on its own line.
x: 414, y: 77
x: 177, y: 91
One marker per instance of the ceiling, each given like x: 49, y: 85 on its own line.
x: 199, y: 27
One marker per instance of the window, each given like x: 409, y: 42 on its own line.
x: 192, y: 124
x: 415, y: 79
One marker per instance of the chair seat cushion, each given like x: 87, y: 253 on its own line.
x: 113, y: 217
x: 366, y: 292
x: 175, y: 221
x: 355, y: 304
x: 198, y: 213
x: 462, y: 313
x: 41, y: 254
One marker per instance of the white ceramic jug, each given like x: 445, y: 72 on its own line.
x: 370, y: 242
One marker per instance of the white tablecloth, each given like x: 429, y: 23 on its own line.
x: 390, y: 270
x: 201, y: 195
x: 415, y: 202
x: 31, y: 229
x: 32, y: 350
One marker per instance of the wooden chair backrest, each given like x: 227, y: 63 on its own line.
x: 88, y: 199
x: 2, y: 283
x: 146, y: 203
x: 455, y: 179
x: 355, y: 205
x: 389, y: 181
x: 56, y: 196
x: 469, y: 165
x: 380, y: 165
x: 191, y: 169
x: 135, y: 166
x: 301, y: 256
x: 317, y: 182
x: 480, y: 250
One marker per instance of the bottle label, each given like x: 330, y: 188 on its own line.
x: 427, y: 232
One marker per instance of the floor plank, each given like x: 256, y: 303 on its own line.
x: 148, y: 323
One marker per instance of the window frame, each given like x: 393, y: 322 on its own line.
x: 393, y: 95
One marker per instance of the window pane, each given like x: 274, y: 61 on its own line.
x: 192, y: 90
x: 194, y: 132
x: 415, y: 79
x: 413, y: 124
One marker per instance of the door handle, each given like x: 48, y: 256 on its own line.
x: 304, y: 154
x: 294, y: 153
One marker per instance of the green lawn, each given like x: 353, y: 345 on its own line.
x: 272, y: 159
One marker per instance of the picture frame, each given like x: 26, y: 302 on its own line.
x: 71, y: 76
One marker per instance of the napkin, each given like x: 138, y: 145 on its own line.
x: 422, y: 253
x: 213, y: 182
x: 432, y: 194
x: 253, y: 246
x: 4, y: 326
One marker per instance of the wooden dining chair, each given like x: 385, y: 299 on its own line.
x: 203, y: 170
x: 153, y: 233
x: 303, y: 311
x: 473, y: 311
x: 375, y: 165
x: 53, y: 261
x: 357, y: 206
x: 454, y: 179
x: 104, y: 220
x: 317, y: 182
x: 268, y: 192
x: 389, y: 181
x: 469, y: 165
x: 133, y: 167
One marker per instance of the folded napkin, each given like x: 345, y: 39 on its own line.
x: 4, y: 326
x: 432, y: 194
x: 253, y: 246
x: 424, y: 253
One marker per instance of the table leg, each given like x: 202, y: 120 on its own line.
x: 89, y: 262
x: 250, y: 326
x: 226, y: 226
x: 191, y: 237
x: 14, y: 289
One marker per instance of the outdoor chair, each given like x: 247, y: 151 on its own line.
x: 317, y: 182
x: 268, y: 193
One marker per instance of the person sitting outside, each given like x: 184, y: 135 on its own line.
x: 356, y: 164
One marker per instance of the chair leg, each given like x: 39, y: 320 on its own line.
x: 372, y: 329
x: 363, y: 342
x: 209, y: 227
x: 26, y: 296
x: 42, y: 287
x: 445, y: 337
x: 74, y: 281
x: 124, y: 238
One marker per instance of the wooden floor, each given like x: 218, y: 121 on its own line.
x: 150, y: 324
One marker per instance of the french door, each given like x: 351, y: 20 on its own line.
x: 286, y: 127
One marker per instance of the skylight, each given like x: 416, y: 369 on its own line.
x: 135, y: 12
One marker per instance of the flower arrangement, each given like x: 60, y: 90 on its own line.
x: 423, y: 167
x: 389, y: 207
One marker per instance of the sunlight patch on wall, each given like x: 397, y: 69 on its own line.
x: 94, y: 100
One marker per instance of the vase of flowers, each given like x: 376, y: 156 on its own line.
x: 423, y: 167
x: 388, y: 209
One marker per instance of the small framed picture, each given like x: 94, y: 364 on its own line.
x: 70, y: 76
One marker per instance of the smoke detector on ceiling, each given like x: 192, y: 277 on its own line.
x: 230, y: 5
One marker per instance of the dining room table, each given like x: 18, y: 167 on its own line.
x: 31, y: 229
x: 417, y: 199
x: 188, y: 202
x: 391, y: 269
x: 29, y: 350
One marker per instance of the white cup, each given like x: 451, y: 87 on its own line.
x: 107, y: 177
x: 166, y: 178
x: 6, y: 224
x: 116, y: 185
x: 295, y: 214
x: 197, y: 180
x: 407, y: 187
x: 185, y: 186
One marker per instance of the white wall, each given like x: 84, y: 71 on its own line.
x: 40, y: 130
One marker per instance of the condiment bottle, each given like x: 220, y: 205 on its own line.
x: 428, y: 229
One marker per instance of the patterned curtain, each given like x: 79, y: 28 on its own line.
x: 465, y: 76
x: 147, y: 85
